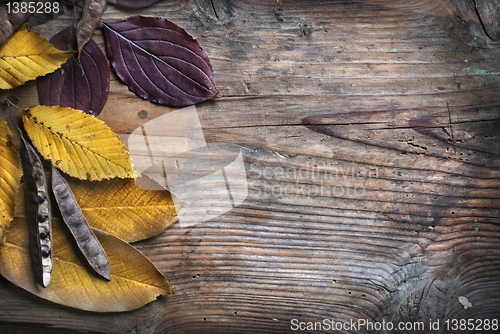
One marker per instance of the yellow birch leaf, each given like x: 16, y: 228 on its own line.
x: 78, y: 144
x: 135, y: 281
x: 121, y: 208
x: 27, y: 55
x: 10, y: 176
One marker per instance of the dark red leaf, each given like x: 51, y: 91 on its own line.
x: 80, y: 84
x: 159, y: 61
x: 133, y: 3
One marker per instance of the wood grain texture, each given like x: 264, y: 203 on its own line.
x: 386, y: 207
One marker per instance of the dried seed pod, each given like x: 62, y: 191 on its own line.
x: 37, y: 211
x: 72, y: 215
x: 88, y: 22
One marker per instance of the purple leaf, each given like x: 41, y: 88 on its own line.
x: 133, y: 3
x: 159, y: 61
x: 80, y: 84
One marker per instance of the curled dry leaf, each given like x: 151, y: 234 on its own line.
x: 121, y: 208
x: 10, y: 176
x: 159, y: 61
x: 91, y: 16
x: 38, y: 212
x: 72, y: 215
x: 133, y: 3
x: 26, y: 56
x: 11, y: 20
x: 80, y: 83
x: 78, y: 144
x: 135, y: 281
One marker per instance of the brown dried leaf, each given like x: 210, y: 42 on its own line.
x: 10, y: 22
x: 91, y: 16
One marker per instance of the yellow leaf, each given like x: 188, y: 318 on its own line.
x: 78, y: 144
x: 121, y: 208
x: 10, y: 176
x: 134, y: 279
x: 27, y: 55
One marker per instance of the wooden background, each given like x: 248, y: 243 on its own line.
x: 389, y: 212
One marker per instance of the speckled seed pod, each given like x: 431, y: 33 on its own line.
x: 37, y: 212
x: 72, y: 215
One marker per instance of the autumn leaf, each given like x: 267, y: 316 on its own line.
x: 10, y: 176
x: 133, y: 3
x: 27, y: 55
x: 81, y: 83
x: 159, y: 61
x: 78, y: 144
x: 121, y: 208
x: 135, y: 281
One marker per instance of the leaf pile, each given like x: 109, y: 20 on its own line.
x: 158, y: 61
x: 118, y: 206
x: 134, y: 279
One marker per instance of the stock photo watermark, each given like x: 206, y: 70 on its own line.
x: 335, y: 181
x: 206, y: 179
x: 210, y: 179
x: 431, y: 325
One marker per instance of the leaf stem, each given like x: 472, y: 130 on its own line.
x: 9, y: 102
